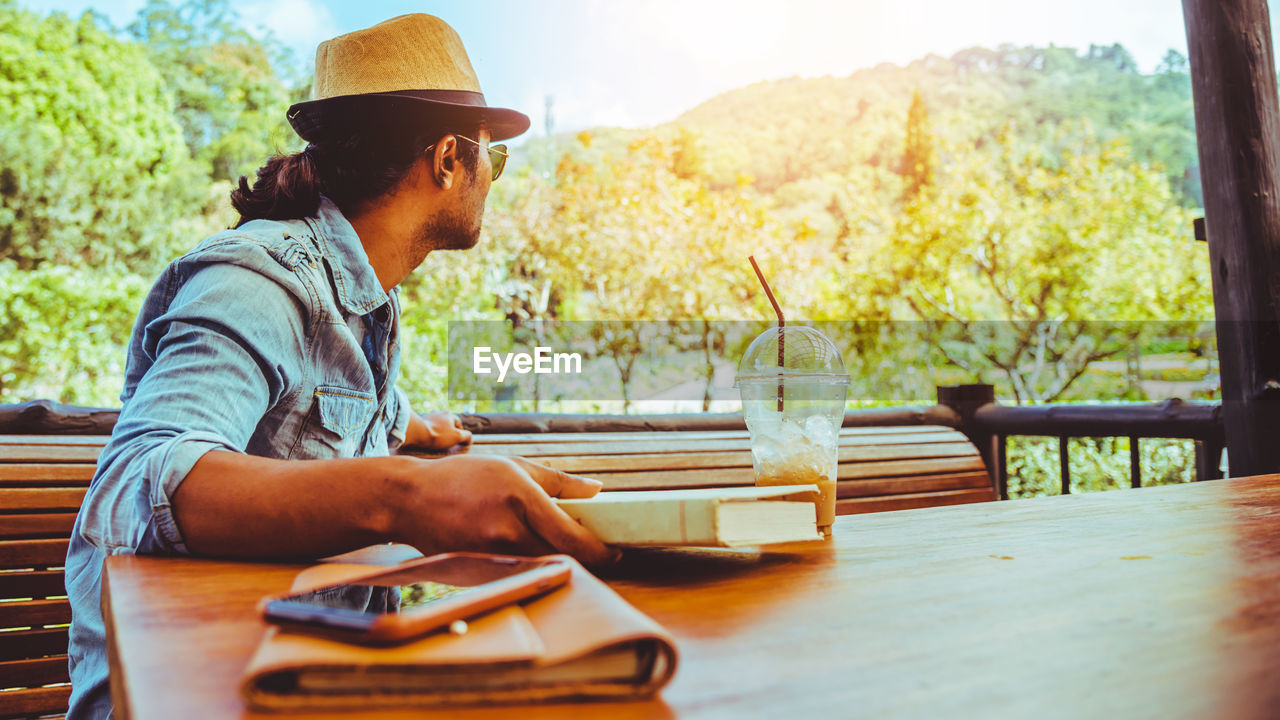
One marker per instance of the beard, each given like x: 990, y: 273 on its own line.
x: 456, y: 230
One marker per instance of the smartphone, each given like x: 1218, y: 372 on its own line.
x: 395, y: 605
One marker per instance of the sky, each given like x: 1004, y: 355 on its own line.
x: 637, y: 63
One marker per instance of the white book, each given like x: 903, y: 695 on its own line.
x: 714, y: 517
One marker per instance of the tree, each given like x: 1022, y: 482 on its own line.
x: 232, y: 90
x: 640, y: 238
x: 93, y: 171
x: 1066, y: 250
x: 918, y: 156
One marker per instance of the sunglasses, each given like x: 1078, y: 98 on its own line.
x: 497, y: 155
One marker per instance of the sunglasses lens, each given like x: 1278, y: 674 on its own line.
x: 498, y: 158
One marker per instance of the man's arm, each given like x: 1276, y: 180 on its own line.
x: 244, y: 506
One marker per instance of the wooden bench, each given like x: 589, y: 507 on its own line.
x: 43, y: 479
x: 42, y: 482
x: 881, y: 468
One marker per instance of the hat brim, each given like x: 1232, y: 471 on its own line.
x: 316, y: 120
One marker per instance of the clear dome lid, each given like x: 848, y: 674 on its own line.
x: 792, y: 351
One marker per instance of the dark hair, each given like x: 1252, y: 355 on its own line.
x: 349, y: 171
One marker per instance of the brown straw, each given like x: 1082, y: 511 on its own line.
x: 782, y: 322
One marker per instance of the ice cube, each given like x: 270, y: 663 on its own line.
x: 819, y: 430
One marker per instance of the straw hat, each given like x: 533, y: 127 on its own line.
x: 412, y: 67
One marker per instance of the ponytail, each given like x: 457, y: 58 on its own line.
x: 288, y: 187
x: 351, y: 171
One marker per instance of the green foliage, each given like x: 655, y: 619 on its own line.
x: 230, y: 95
x: 635, y: 265
x: 1096, y: 464
x: 93, y: 171
x: 918, y: 157
x: 98, y: 188
x: 63, y: 332
x: 819, y: 126
x: 1044, y: 240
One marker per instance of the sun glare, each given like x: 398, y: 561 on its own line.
x: 726, y: 34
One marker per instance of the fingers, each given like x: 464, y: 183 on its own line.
x: 557, y: 483
x: 553, y: 524
x: 504, y: 504
x: 453, y: 431
x: 447, y: 430
x: 565, y: 534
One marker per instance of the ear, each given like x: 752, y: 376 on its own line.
x: 443, y: 163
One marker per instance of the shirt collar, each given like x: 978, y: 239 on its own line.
x: 357, y: 284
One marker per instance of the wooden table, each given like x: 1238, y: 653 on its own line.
x: 1155, y: 603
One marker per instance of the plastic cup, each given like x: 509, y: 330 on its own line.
x: 798, y: 445
x: 793, y: 387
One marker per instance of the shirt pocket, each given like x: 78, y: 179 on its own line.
x: 339, y: 419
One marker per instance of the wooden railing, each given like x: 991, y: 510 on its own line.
x: 989, y: 425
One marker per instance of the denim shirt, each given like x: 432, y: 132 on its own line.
x: 274, y: 339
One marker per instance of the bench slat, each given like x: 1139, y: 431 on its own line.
x: 598, y: 437
x: 624, y: 463
x: 666, y: 479
x: 35, y: 672
x: 905, y: 452
x: 850, y: 506
x: 700, y: 435
x: 725, y: 477
x: 703, y: 460
x: 50, y: 453
x: 908, y: 485
x: 736, y: 440
x: 31, y: 584
x: 35, y: 701
x: 549, y: 449
x: 54, y: 498
x: 98, y: 440
x: 848, y: 471
x: 39, y: 525
x: 941, y: 445
x: 27, y: 474
x: 624, y: 446
x: 33, y: 553
x: 34, y: 613
x: 23, y: 644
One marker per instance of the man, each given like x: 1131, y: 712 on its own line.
x: 260, y: 404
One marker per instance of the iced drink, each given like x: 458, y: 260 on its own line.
x: 787, y: 451
x: 793, y: 387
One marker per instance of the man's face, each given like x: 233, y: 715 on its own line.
x: 459, y: 227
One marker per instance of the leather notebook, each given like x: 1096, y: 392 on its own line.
x: 581, y: 641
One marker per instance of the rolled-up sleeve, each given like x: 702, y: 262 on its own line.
x: 399, y: 419
x: 225, y: 350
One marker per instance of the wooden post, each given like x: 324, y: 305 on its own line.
x: 1238, y: 132
x: 1135, y: 462
x: 965, y: 400
x: 1064, y: 464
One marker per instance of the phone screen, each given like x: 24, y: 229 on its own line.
x: 406, y: 590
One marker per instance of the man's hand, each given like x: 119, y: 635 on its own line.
x: 435, y: 431
x: 493, y: 504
